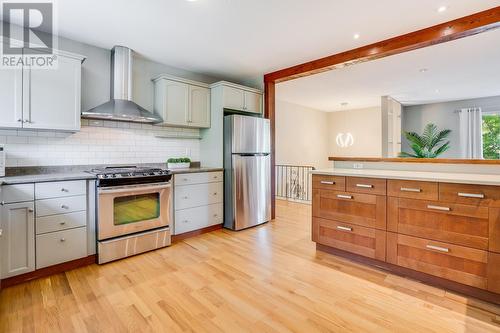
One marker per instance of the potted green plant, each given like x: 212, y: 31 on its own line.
x: 429, y: 144
x: 178, y: 163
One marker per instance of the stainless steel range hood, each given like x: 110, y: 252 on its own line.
x: 121, y: 107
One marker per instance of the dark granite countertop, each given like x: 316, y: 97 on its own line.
x: 24, y: 175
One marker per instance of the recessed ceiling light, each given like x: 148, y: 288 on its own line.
x: 356, y: 36
x: 442, y: 9
x: 437, y: 91
x: 423, y: 70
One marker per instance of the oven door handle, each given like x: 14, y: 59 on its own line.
x: 125, y: 189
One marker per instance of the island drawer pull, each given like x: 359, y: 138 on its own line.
x: 409, y: 189
x: 327, y: 182
x: 344, y: 228
x: 444, y: 209
x: 342, y: 196
x: 437, y: 248
x: 364, y: 185
x: 471, y: 195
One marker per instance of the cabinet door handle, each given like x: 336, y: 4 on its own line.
x: 20, y: 120
x: 409, y: 189
x: 471, y: 195
x: 62, y: 223
x: 342, y: 196
x: 215, y: 215
x: 63, y: 239
x: 364, y: 185
x: 185, y: 198
x: 64, y: 207
x: 2, y: 203
x: 185, y: 221
x: 64, y: 190
x: 327, y: 182
x: 437, y: 248
x: 30, y: 210
x: 344, y: 228
x: 444, y: 209
x: 215, y: 193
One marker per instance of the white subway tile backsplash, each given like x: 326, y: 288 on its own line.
x: 99, y: 142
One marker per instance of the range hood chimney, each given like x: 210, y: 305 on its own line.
x: 121, y: 107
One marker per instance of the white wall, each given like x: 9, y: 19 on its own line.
x: 301, y: 135
x: 98, y: 142
x: 415, y: 117
x: 366, y: 127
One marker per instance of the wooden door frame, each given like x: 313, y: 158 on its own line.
x: 441, y: 33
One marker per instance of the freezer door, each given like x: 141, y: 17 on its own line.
x: 250, y: 135
x: 251, y: 190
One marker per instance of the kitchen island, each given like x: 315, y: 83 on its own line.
x: 441, y: 227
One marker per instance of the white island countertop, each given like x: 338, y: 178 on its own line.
x: 447, y: 177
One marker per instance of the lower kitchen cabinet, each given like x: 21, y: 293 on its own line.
x: 43, y: 224
x: 197, y: 218
x: 18, y: 239
x: 57, y: 247
x: 198, y: 201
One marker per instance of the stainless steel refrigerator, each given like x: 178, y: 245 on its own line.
x: 247, y: 164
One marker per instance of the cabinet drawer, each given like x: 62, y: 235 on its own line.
x: 60, y: 189
x: 60, y: 222
x: 412, y: 189
x: 198, y: 218
x: 366, y: 185
x: 454, y: 223
x: 326, y: 182
x: 483, y: 195
x: 58, y: 247
x: 61, y: 205
x: 122, y: 247
x: 17, y: 193
x: 198, y: 178
x: 198, y: 195
x: 453, y: 262
x: 352, y: 238
x: 361, y: 209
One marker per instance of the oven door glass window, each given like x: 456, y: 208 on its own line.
x: 136, y: 208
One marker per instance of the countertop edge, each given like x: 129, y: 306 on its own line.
x: 460, y: 178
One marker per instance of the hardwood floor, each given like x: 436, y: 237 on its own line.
x: 265, y: 279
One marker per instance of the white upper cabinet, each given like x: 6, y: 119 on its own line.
x: 234, y: 98
x: 241, y: 98
x: 181, y: 102
x: 42, y: 98
x: 199, y: 105
x: 253, y: 102
x: 176, y: 103
x: 11, y: 85
x: 52, y: 98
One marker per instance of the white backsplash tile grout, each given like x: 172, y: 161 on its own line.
x: 99, y: 142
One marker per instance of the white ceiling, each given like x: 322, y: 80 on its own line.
x: 461, y: 69
x: 244, y: 39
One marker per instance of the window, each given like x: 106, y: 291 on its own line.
x: 491, y: 135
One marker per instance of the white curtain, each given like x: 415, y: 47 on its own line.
x: 471, y: 134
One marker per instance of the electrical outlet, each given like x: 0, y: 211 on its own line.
x: 358, y: 165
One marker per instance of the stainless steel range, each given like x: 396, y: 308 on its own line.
x: 133, y: 211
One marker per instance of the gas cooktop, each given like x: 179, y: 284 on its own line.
x: 115, y: 176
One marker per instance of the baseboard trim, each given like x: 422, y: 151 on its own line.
x: 422, y: 277
x: 47, y: 271
x: 180, y: 237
